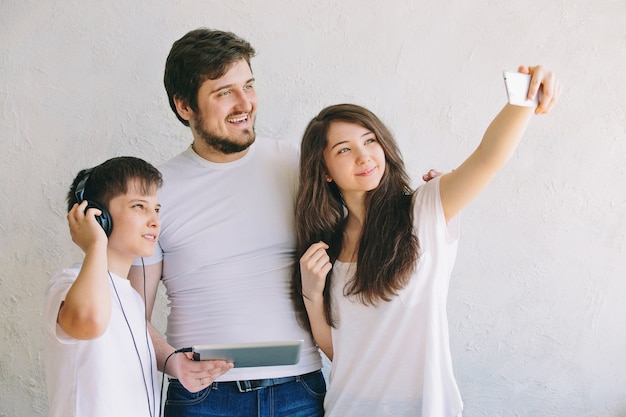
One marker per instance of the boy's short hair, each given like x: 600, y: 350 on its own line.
x: 111, y: 178
x: 202, y: 54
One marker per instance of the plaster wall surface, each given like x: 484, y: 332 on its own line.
x: 537, y: 317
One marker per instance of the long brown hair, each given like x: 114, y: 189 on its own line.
x: 388, y: 247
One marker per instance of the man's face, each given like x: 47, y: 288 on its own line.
x: 226, y: 110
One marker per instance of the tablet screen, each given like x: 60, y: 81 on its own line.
x: 251, y: 354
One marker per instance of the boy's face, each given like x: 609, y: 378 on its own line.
x: 136, y: 223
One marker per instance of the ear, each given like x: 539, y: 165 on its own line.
x: 183, y: 109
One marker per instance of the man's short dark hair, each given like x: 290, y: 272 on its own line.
x: 111, y: 178
x: 202, y: 54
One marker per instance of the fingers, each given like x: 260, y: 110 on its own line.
x: 545, y: 81
x: 84, y: 228
x: 203, y: 379
x: 537, y: 74
x: 314, y: 267
x: 198, y: 375
x: 551, y: 93
x: 315, y: 260
x: 431, y: 174
x: 77, y: 214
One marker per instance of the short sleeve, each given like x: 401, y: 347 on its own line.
x: 427, y: 205
x: 58, y: 287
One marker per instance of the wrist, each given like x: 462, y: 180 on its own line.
x: 172, y: 364
x: 95, y: 246
x: 316, y: 300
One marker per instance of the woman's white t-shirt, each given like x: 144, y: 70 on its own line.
x: 393, y: 359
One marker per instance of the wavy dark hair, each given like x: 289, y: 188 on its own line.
x: 388, y: 247
x: 202, y: 54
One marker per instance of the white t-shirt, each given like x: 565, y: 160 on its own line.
x: 101, y: 377
x: 394, y: 359
x: 228, y: 244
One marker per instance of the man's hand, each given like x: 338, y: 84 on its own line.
x: 196, y: 375
x: 433, y: 173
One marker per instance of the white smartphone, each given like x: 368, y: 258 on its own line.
x: 244, y: 355
x: 517, y: 85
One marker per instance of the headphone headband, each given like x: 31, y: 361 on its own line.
x: 80, y: 188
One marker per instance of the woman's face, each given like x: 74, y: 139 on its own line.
x: 354, y: 158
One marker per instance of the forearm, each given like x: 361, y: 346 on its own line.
x: 322, y: 332
x: 162, y: 349
x: 145, y: 280
x: 499, y: 142
x: 503, y: 136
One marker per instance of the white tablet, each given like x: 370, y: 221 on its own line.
x: 244, y: 355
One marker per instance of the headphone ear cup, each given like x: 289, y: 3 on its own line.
x: 103, y: 219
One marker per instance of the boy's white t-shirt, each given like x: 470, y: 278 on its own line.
x: 394, y: 359
x: 101, y: 377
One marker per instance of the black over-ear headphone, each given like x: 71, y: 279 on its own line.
x: 103, y: 219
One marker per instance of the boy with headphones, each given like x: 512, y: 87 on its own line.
x: 99, y: 356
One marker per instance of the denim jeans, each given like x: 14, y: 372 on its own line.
x: 301, y: 398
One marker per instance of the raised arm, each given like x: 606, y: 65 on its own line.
x: 459, y: 187
x: 86, y: 310
x: 193, y: 375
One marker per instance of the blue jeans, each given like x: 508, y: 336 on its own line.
x: 303, y: 397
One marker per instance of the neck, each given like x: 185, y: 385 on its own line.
x: 354, y: 226
x: 118, y: 266
x: 211, y: 154
x: 356, y: 208
x: 351, y: 240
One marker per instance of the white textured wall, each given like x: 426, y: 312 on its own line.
x: 538, y: 319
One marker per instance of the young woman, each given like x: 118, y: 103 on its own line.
x: 376, y: 257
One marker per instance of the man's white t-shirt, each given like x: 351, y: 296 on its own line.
x: 394, y: 359
x: 228, y: 244
x: 101, y: 377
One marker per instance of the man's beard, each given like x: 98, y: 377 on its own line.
x: 224, y: 144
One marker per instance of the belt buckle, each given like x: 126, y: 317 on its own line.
x: 245, y: 386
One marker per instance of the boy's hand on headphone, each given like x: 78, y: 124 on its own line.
x: 84, y: 228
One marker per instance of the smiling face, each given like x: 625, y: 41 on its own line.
x: 224, y: 121
x: 136, y: 224
x: 354, y: 158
